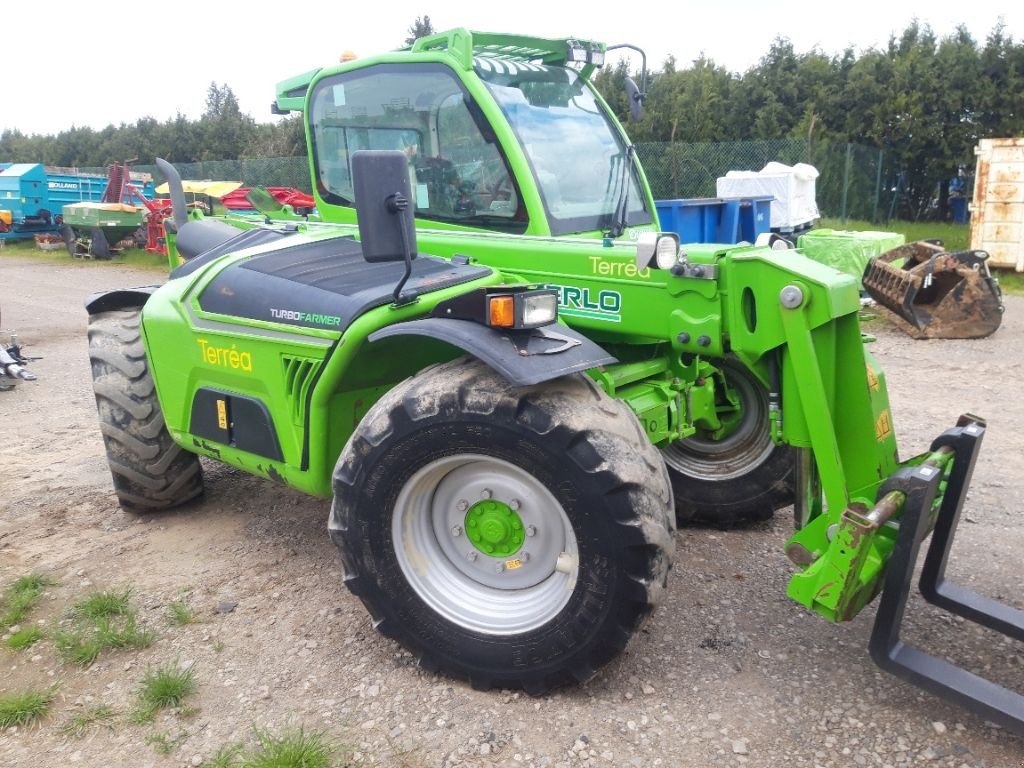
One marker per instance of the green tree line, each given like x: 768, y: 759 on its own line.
x: 223, y: 132
x: 923, y: 100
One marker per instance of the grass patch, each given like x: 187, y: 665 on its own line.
x: 955, y: 237
x: 21, y: 597
x: 85, y: 719
x: 227, y: 756
x: 292, y: 749
x: 128, y: 635
x: 102, y: 621
x: 161, y: 743
x: 180, y: 613
x: 103, y: 605
x: 142, y: 714
x: 25, y: 707
x: 24, y: 638
x: 163, y: 687
x: 77, y: 647
x: 84, y: 645
x: 1011, y: 282
x: 167, y: 685
x: 140, y: 257
x: 136, y: 257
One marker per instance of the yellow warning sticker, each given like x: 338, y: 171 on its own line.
x: 883, y: 427
x: 511, y: 565
x: 873, y: 379
x: 222, y: 414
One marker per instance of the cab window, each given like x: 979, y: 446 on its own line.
x: 457, y: 171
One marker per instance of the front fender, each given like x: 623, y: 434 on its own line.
x: 522, y: 357
x: 123, y: 298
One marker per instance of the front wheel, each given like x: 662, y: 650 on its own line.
x: 741, y: 476
x: 513, y: 536
x: 150, y: 471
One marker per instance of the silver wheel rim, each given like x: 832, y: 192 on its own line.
x: 744, y: 449
x: 491, y: 595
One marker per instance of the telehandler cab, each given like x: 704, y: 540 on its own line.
x: 513, y: 386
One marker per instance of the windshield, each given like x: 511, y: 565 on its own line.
x: 576, y: 154
x: 457, y: 171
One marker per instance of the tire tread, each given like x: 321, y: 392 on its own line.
x: 150, y: 471
x: 600, y: 435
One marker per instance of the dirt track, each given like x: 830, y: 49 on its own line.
x: 729, y: 672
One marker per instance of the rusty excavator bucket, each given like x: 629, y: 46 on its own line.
x: 935, y: 294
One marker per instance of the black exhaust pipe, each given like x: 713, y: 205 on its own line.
x: 178, y: 206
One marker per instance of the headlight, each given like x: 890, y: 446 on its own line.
x: 657, y: 249
x: 513, y: 307
x: 666, y: 252
x: 539, y: 309
x: 524, y: 309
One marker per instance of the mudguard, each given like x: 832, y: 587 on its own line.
x: 522, y: 357
x: 125, y: 298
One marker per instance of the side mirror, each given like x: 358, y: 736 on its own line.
x: 383, y: 205
x: 636, y: 100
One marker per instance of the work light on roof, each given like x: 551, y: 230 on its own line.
x: 575, y: 53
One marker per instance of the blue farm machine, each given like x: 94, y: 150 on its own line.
x: 33, y: 196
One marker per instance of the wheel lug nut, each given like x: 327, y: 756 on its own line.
x: 499, y: 567
x: 462, y: 506
x: 471, y: 557
x: 486, y: 493
x: 531, y: 531
x: 514, y: 505
x: 524, y: 556
x: 456, y: 530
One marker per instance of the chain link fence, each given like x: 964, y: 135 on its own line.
x: 255, y: 172
x: 851, y: 184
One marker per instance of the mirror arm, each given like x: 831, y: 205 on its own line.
x: 399, y: 204
x: 643, y: 65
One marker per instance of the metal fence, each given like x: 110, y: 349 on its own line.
x: 255, y: 172
x: 850, y: 185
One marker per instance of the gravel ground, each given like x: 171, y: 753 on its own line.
x: 729, y: 672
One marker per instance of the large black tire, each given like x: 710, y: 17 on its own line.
x: 151, y: 472
x: 743, y: 478
x: 592, y: 495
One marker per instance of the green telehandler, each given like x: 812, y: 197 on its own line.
x: 513, y: 385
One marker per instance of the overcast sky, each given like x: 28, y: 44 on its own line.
x: 92, y: 63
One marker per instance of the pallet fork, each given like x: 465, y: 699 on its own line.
x: 920, y: 485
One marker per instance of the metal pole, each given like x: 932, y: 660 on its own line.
x: 846, y: 179
x: 878, y: 187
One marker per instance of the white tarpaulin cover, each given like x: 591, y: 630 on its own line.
x: 791, y: 186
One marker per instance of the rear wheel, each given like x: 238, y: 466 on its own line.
x: 151, y: 472
x: 516, y: 537
x: 740, y: 477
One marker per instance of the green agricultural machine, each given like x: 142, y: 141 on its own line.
x: 513, y: 385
